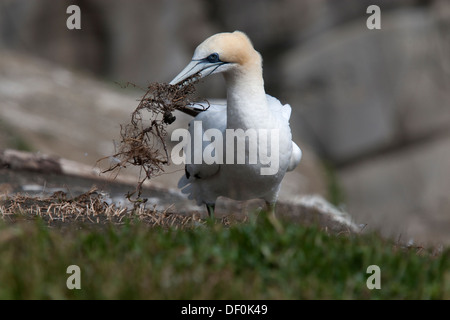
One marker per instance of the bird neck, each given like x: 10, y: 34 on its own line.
x: 246, y: 97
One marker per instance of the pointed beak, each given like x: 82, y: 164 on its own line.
x: 203, y: 67
x: 192, y: 68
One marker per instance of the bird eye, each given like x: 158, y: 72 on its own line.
x: 213, y: 58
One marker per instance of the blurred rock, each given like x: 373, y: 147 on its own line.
x: 405, y: 194
x: 59, y: 112
x: 142, y: 42
x: 357, y: 92
x: 377, y: 104
x: 149, y: 41
x: 39, y: 27
x: 20, y: 160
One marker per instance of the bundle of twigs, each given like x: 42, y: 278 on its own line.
x: 143, y: 139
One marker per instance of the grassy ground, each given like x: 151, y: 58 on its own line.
x: 198, y: 260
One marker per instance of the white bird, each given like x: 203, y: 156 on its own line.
x: 248, y: 108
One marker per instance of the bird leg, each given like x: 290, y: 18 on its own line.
x: 210, y: 208
x: 271, y: 208
x: 273, y: 218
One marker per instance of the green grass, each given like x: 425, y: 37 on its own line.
x: 250, y: 260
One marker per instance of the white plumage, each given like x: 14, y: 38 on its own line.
x: 248, y: 109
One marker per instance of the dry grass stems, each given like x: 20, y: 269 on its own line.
x: 143, y: 139
x: 91, y: 207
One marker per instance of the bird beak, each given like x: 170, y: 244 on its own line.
x: 203, y: 67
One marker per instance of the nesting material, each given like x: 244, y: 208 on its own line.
x: 143, y: 142
x: 60, y: 209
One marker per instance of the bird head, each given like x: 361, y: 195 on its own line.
x: 221, y: 53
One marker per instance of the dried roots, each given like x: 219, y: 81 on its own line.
x: 143, y: 139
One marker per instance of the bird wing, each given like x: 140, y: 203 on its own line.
x: 283, y: 110
x: 284, y: 113
x: 215, y: 117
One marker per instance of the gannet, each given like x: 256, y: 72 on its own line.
x: 248, y: 107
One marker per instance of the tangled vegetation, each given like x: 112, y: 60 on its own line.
x: 143, y: 139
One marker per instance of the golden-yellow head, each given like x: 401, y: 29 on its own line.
x: 222, y: 52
